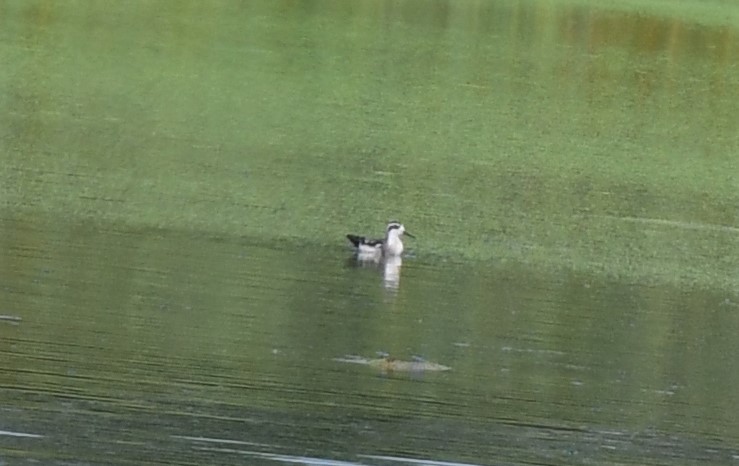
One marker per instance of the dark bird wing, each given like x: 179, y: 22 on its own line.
x: 357, y: 240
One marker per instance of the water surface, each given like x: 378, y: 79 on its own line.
x: 177, y: 178
x: 554, y: 132
x: 163, y: 346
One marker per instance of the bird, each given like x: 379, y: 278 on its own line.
x: 391, y: 246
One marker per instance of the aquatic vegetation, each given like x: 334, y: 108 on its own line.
x: 387, y: 364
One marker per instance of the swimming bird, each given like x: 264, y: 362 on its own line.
x: 392, y: 245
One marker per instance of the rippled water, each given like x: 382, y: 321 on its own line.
x: 164, y: 346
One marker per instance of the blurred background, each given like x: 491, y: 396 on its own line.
x: 177, y: 179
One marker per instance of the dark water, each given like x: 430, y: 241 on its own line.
x: 123, y: 346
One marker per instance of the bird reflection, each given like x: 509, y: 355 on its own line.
x: 389, y: 266
x: 391, y: 272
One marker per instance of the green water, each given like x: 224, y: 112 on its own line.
x: 177, y: 177
x: 557, y: 134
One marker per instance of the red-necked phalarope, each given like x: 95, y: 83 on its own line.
x: 392, y: 245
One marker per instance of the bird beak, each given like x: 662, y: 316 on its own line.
x: 408, y: 234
